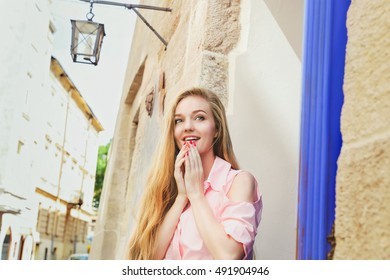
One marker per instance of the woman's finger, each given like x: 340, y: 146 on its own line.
x: 180, y: 162
x: 182, y: 150
x: 181, y: 154
x: 194, y: 159
x: 187, y: 163
x: 197, y: 159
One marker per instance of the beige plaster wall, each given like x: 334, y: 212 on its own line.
x: 289, y: 16
x: 362, y: 227
x: 265, y: 123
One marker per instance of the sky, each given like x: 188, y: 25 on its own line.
x: 101, y: 85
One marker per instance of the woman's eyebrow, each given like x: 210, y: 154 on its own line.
x: 197, y: 111
x: 193, y: 113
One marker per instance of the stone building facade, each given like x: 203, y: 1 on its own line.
x: 25, y: 68
x: 64, y: 177
x: 48, y: 142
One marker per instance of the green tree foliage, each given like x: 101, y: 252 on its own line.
x: 100, y: 171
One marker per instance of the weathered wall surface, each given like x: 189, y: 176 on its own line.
x: 363, y: 179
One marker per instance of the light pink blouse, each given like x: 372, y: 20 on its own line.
x: 239, y: 219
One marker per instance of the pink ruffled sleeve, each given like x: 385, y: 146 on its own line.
x: 241, y: 220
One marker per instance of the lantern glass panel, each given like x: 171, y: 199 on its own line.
x: 87, y: 37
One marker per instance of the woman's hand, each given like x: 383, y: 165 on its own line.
x: 179, y: 170
x: 193, y: 177
x: 171, y: 219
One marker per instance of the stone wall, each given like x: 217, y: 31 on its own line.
x: 362, y: 227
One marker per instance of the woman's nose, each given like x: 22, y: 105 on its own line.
x: 188, y: 125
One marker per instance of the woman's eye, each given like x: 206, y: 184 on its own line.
x: 178, y: 121
x: 200, y: 118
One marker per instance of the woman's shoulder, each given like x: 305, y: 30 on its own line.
x: 243, y: 187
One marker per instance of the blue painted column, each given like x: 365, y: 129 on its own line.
x: 325, y: 38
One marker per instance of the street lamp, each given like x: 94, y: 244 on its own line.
x: 87, y: 39
x: 87, y: 35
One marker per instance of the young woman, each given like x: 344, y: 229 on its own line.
x: 197, y: 204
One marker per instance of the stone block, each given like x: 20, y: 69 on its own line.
x: 215, y: 74
x: 367, y: 71
x: 363, y: 201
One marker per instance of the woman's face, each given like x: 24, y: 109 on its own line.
x: 194, y: 121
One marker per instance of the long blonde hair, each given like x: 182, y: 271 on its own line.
x: 161, y: 189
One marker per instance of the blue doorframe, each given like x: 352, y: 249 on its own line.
x: 325, y: 38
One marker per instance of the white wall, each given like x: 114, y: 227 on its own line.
x: 25, y: 65
x: 266, y: 95
x: 25, y: 60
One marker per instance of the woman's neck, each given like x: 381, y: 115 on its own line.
x: 207, y: 163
